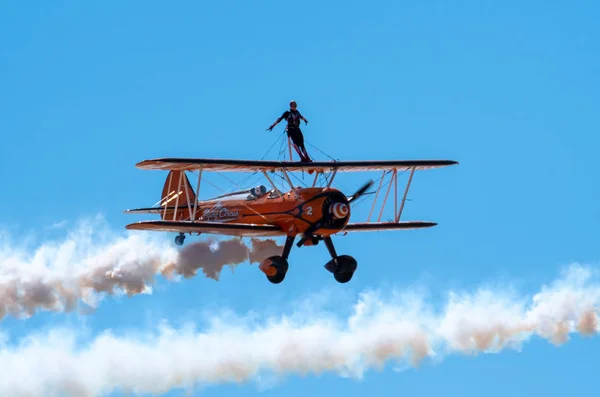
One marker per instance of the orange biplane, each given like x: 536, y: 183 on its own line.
x: 312, y: 213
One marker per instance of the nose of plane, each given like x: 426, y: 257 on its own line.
x: 339, y: 210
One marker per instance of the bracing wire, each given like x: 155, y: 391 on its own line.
x: 319, y: 150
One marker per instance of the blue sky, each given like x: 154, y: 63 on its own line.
x: 510, y: 90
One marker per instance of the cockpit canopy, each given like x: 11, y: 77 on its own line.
x: 260, y: 191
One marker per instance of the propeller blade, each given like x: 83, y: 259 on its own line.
x: 361, y: 191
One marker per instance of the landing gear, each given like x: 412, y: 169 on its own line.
x: 343, y: 266
x: 276, y: 267
x: 180, y: 239
x: 307, y: 241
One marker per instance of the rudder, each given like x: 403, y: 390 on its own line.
x: 178, y: 202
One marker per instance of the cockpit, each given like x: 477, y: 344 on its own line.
x: 260, y: 191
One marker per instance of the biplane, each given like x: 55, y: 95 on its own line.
x: 311, y: 214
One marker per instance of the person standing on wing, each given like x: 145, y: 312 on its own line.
x: 293, y: 118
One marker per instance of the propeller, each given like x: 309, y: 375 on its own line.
x: 361, y: 191
x: 336, y: 211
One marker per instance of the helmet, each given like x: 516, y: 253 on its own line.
x: 258, y: 191
x: 292, y: 102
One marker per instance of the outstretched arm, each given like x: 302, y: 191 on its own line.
x: 277, y: 121
x: 302, y: 118
x: 274, y: 124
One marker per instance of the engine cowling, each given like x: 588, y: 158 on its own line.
x: 336, y: 211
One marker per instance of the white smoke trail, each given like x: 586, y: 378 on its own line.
x: 402, y: 329
x: 92, y: 261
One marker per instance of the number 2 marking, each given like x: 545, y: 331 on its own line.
x: 309, y: 210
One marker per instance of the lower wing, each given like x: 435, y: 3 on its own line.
x: 227, y: 229
x: 381, y: 226
x: 250, y: 230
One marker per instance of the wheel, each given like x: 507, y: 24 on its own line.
x: 342, y: 267
x: 277, y: 263
x: 277, y: 278
x: 346, y: 263
x: 179, y: 239
x: 343, y: 277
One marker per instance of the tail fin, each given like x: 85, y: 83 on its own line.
x: 178, y: 202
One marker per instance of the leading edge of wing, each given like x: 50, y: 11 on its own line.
x: 223, y: 165
x: 381, y: 226
x: 228, y: 229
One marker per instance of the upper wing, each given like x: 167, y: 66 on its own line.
x: 189, y: 164
x: 380, y: 226
x: 228, y: 229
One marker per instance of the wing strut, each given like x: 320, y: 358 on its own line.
x: 270, y: 180
x: 412, y: 172
x: 376, y: 195
x: 393, y: 180
x: 290, y: 182
x: 386, y: 195
x: 197, y: 195
x: 332, y: 176
x: 316, y: 176
x: 167, y: 196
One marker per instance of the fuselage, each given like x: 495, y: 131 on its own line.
x: 294, y: 211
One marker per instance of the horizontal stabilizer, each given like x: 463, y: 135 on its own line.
x: 151, y: 210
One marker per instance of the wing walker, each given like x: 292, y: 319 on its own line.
x: 311, y: 214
